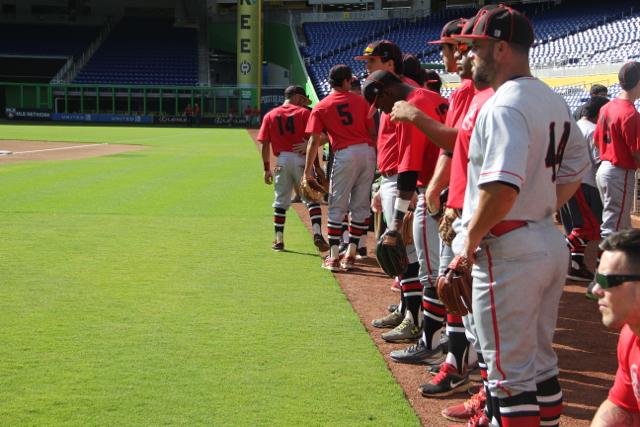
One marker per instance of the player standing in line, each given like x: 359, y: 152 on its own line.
x: 345, y: 117
x: 618, y: 292
x: 617, y: 136
x: 384, y: 55
x: 416, y: 161
x: 282, y: 129
x: 582, y: 214
x: 526, y: 158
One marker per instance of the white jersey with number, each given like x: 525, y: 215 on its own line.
x: 525, y: 137
x: 587, y: 127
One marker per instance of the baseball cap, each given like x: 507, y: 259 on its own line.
x: 383, y: 49
x: 376, y: 82
x: 629, y: 75
x: 294, y: 90
x: 450, y: 29
x: 338, y: 74
x: 499, y: 23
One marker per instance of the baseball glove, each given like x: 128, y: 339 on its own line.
x: 406, y: 228
x: 321, y: 178
x: 444, y: 195
x: 454, y: 288
x: 391, y: 253
x: 445, y: 228
x: 311, y: 190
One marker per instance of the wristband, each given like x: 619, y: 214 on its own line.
x: 400, y: 209
x: 267, y: 166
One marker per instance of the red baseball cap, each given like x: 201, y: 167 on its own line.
x: 450, y: 29
x: 498, y: 23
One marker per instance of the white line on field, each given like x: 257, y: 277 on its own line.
x: 59, y: 148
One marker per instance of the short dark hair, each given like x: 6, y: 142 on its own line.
x: 598, y: 90
x: 338, y: 74
x: 411, y: 68
x: 591, y: 109
x: 626, y: 241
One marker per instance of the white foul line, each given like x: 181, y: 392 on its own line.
x: 59, y: 148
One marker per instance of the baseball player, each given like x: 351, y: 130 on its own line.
x: 345, y: 116
x: 526, y: 158
x: 618, y: 292
x: 283, y: 129
x: 385, y: 55
x: 617, y: 136
x: 416, y: 160
x: 582, y: 214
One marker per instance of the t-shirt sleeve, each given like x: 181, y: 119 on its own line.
x: 506, y: 150
x: 575, y: 160
x: 632, y: 133
x: 622, y: 391
x: 314, y: 125
x: 411, y: 143
x: 264, y: 133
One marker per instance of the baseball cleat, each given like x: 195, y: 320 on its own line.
x: 331, y: 264
x: 392, y: 307
x: 578, y: 271
x: 320, y: 243
x: 278, y: 246
x: 362, y: 253
x: 478, y: 420
x: 395, y: 286
x: 468, y: 409
x: 406, y: 331
x: 473, y: 372
x: 418, y: 354
x: 347, y: 263
x: 389, y: 321
x: 447, y: 382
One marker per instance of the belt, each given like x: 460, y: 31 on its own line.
x: 505, y: 227
x: 390, y: 172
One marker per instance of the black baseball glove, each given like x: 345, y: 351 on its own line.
x: 392, y: 253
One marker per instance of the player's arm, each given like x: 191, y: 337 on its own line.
x: 495, y: 201
x: 611, y: 415
x: 565, y: 191
x: 266, y: 161
x: 312, y: 153
x: 406, y: 188
x: 441, y: 135
x: 438, y: 182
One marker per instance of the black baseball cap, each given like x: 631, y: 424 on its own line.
x: 499, y: 23
x: 450, y: 29
x: 383, y: 49
x: 291, y: 91
x: 376, y: 82
x: 338, y: 74
x: 629, y: 75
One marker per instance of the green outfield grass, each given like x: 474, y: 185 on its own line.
x: 140, y: 289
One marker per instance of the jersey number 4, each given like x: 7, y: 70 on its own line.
x: 286, y: 125
x: 554, y: 156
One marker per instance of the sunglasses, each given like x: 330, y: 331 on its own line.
x: 608, y: 281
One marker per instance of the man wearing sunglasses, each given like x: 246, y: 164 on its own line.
x: 618, y: 291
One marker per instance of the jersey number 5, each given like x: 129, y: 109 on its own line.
x: 347, y: 118
x: 288, y: 125
x: 554, y: 156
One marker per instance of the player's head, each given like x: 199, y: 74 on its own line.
x: 340, y: 77
x: 448, y: 44
x: 618, y: 280
x: 296, y: 95
x: 592, y: 108
x: 500, y: 39
x: 629, y: 77
x: 382, y: 55
x: 432, y: 80
x: 356, y: 86
x: 411, y: 68
x: 599, y: 90
x: 381, y: 90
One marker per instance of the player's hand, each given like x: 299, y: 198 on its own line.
x: 432, y: 199
x: 376, y: 202
x: 300, y: 148
x: 403, y: 112
x: 469, y: 250
x: 268, y: 177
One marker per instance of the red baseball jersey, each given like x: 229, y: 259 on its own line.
x: 459, y: 103
x: 386, y: 144
x: 617, y: 133
x: 345, y: 117
x: 415, y: 151
x: 458, y: 177
x: 284, y: 126
x: 626, y: 387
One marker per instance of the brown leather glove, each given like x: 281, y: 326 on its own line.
x: 454, y: 288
